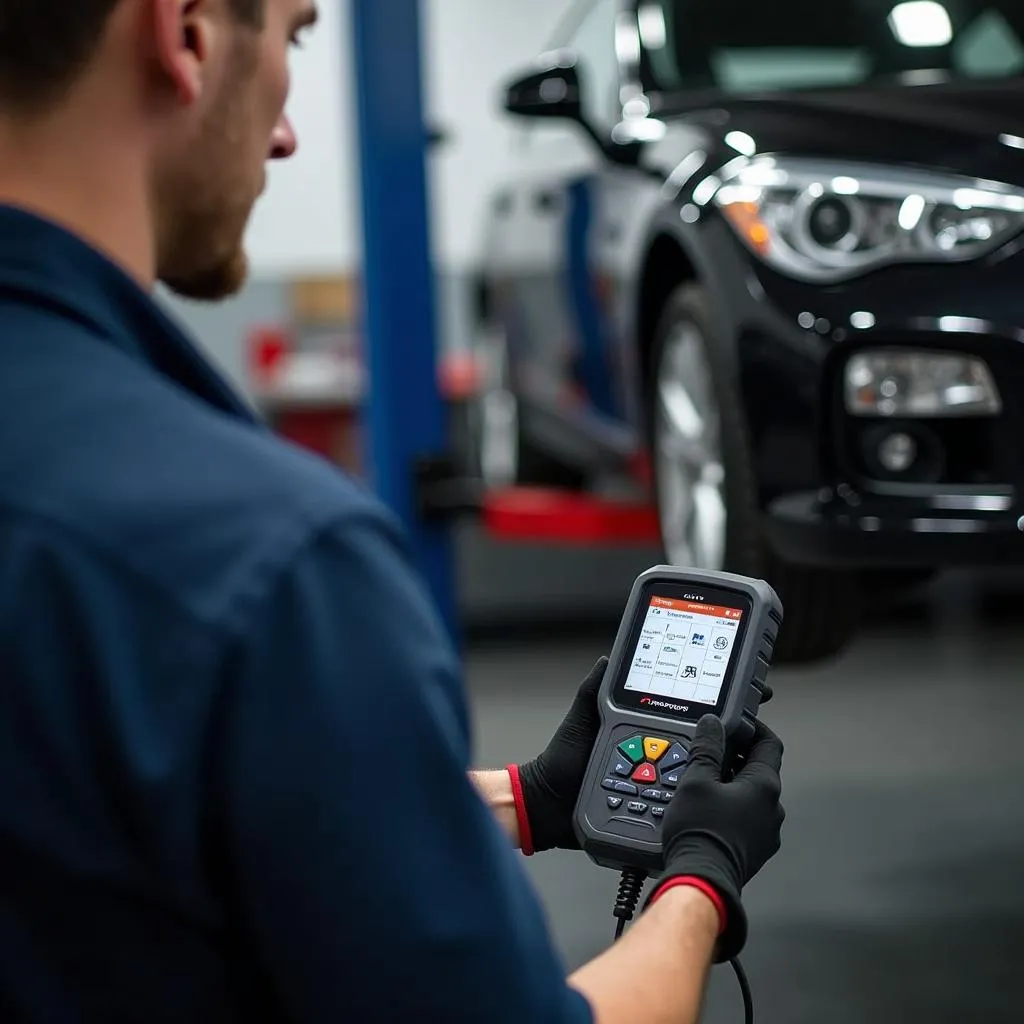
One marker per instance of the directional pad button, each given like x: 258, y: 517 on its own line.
x: 645, y: 773
x: 654, y: 748
x: 676, y: 757
x: 633, y: 749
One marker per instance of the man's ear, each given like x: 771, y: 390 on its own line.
x: 183, y: 32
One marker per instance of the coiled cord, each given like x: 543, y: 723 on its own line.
x: 631, y: 885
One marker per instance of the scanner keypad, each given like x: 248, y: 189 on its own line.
x: 653, y: 767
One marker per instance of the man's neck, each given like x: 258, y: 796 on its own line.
x: 79, y: 176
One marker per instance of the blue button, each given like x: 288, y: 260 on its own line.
x: 672, y: 778
x: 674, y: 757
x: 620, y: 766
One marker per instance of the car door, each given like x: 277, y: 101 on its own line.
x: 543, y: 230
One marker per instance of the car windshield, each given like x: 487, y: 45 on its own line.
x: 741, y: 46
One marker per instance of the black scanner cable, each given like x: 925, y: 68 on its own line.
x: 631, y: 885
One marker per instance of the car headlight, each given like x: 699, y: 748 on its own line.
x: 823, y: 221
x: 919, y: 383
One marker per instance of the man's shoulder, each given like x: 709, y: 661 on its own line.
x: 197, y: 502
x: 236, y: 507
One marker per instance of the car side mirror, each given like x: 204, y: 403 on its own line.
x: 550, y: 91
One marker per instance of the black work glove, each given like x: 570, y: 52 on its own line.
x: 724, y: 832
x: 551, y: 783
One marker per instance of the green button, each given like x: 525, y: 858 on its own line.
x: 633, y: 749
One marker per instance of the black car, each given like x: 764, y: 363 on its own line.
x: 766, y: 260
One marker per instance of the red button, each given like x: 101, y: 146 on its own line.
x: 645, y: 773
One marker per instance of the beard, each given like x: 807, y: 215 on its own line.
x: 204, y: 203
x: 209, y: 280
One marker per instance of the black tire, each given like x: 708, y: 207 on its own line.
x: 822, y: 606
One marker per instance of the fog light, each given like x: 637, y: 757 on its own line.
x: 897, y: 453
x: 911, y: 453
x: 916, y: 383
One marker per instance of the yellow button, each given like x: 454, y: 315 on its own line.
x: 655, y: 748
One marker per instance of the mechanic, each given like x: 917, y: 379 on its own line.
x: 235, y: 753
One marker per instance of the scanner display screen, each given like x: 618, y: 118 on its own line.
x: 682, y: 655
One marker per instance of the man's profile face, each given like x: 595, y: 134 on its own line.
x: 207, y: 187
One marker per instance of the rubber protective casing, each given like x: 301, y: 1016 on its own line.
x: 615, y: 843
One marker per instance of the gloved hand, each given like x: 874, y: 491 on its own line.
x: 723, y: 832
x: 547, y: 787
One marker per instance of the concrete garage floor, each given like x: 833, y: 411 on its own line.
x: 898, y: 895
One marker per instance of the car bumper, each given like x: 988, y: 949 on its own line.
x: 943, y: 530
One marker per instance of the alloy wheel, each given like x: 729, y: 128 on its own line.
x: 688, y: 453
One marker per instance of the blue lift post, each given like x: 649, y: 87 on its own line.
x: 406, y: 413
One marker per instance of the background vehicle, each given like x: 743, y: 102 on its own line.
x: 765, y: 260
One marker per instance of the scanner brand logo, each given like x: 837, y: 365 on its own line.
x: 651, y: 702
x: 694, y: 597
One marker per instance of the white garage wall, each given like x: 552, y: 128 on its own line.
x: 308, y: 221
x: 472, y: 46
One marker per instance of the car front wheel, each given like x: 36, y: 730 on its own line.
x: 706, y: 489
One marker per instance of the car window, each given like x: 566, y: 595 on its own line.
x: 594, y: 44
x: 747, y: 45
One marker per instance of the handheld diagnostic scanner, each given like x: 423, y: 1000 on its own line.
x: 691, y: 643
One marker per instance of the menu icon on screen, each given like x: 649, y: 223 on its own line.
x: 683, y: 650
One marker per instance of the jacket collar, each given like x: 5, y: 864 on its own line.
x: 45, y: 264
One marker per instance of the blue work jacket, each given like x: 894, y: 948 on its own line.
x: 233, y: 737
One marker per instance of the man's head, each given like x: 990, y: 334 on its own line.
x: 197, y: 88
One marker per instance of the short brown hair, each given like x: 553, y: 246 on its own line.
x: 45, y: 45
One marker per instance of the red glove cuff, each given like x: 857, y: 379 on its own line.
x: 525, y: 836
x: 696, y: 883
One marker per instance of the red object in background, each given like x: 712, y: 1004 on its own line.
x: 317, y: 410
x: 566, y: 517
x: 459, y: 377
x: 642, y: 470
x: 268, y: 347
x: 523, y: 514
x: 322, y: 431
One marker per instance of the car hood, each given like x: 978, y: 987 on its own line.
x: 975, y: 129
